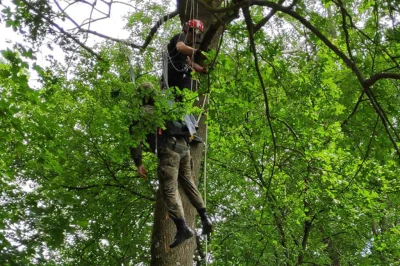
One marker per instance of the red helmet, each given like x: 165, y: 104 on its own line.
x: 195, y: 24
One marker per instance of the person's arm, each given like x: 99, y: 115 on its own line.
x: 136, y: 154
x: 185, y: 49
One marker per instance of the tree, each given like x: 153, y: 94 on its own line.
x: 302, y: 121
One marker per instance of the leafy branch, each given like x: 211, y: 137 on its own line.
x: 365, y: 83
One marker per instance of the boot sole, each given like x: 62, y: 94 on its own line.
x: 188, y: 235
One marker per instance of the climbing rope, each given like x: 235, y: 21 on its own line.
x: 205, y: 181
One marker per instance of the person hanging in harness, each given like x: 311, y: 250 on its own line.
x: 174, y: 166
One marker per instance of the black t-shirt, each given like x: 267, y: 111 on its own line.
x: 177, y: 60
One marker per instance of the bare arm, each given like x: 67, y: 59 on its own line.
x: 185, y: 49
x: 136, y: 154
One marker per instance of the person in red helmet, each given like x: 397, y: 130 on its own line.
x: 181, y: 53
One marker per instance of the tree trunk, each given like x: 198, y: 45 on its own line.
x: 163, y: 228
x: 163, y: 233
x: 331, y: 249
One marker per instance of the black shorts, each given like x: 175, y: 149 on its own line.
x: 180, y: 80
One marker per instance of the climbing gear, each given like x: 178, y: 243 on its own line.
x: 183, y: 232
x: 176, y: 128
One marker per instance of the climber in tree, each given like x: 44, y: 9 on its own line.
x: 181, y: 54
x: 174, y: 165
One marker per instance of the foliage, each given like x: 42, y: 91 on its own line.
x: 300, y: 170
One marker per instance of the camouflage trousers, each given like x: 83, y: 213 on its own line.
x: 175, y: 167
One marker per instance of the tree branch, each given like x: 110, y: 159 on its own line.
x: 345, y: 59
x: 108, y: 185
x: 369, y: 38
x: 225, y: 9
x: 374, y: 78
x: 69, y: 35
x: 363, y: 161
x: 132, y: 45
x: 111, y: 38
x: 65, y: 14
x: 266, y: 18
x: 344, y: 123
x: 344, y: 26
x: 157, y: 25
x: 250, y: 28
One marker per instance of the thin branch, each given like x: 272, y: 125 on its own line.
x: 89, y: 20
x: 314, y: 30
x: 364, y: 159
x: 234, y: 7
x: 91, y: 14
x: 135, y: 46
x: 250, y: 28
x: 254, y: 161
x: 387, y: 121
x: 157, y: 25
x: 344, y: 123
x: 132, y: 45
x: 344, y: 26
x: 65, y: 14
x: 345, y: 59
x: 267, y: 18
x: 69, y: 35
x: 107, y: 185
x: 369, y: 38
x: 240, y: 172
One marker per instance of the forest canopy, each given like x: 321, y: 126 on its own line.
x: 302, y: 132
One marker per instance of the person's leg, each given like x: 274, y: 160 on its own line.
x: 168, y: 166
x: 193, y: 194
x: 168, y: 177
x: 183, y: 232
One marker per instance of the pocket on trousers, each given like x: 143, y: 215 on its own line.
x: 191, y: 163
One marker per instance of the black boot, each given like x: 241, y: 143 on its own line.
x: 205, y: 221
x: 196, y: 140
x: 183, y: 232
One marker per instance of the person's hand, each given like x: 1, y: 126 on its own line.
x: 142, y: 171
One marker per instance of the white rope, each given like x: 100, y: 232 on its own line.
x: 202, y: 109
x: 205, y: 183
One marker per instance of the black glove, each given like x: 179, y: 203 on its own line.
x: 198, y: 52
x: 198, y: 56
